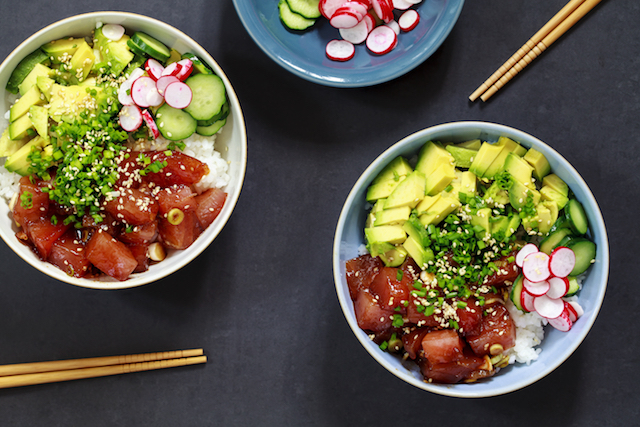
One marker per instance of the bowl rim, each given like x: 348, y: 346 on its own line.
x: 209, y: 235
x: 315, y: 74
x: 345, y: 300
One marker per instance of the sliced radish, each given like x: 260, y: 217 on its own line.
x: 165, y: 81
x: 130, y: 118
x: 328, y: 7
x: 561, y: 262
x: 414, y: 1
x: 154, y: 98
x: 562, y: 323
x: 153, y: 68
x: 527, y: 249
x: 526, y: 300
x: 393, y: 24
x: 548, y: 307
x: 381, y: 40
x: 577, y: 307
x: 409, y: 20
x: 124, y: 92
x: 558, y: 287
x: 344, y: 19
x: 340, y: 50
x: 384, y: 9
x: 113, y: 32
x: 402, y: 4
x: 535, y: 267
x: 172, y: 69
x: 151, y: 124
x: 185, y: 70
x: 536, y: 288
x: 573, y: 314
x: 357, y: 34
x: 370, y: 21
x: 178, y: 95
x: 358, y: 7
x: 140, y: 90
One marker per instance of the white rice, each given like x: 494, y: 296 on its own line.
x: 529, y: 334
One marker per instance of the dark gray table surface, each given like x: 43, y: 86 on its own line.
x: 261, y: 299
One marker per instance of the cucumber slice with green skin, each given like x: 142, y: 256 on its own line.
x: 224, y: 113
x: 174, y: 124
x: 307, y: 8
x: 554, y: 239
x: 516, y: 293
x: 211, y: 129
x: 577, y: 217
x: 585, y: 251
x: 198, y: 65
x: 149, y: 46
x: 209, y: 95
x: 574, y: 286
x: 292, y: 20
x: 24, y: 68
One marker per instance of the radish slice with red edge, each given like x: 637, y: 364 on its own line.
x: 130, y: 118
x: 548, y: 307
x: 402, y: 4
x: 340, y: 50
x: 153, y: 68
x: 409, y: 20
x: 172, y: 69
x: 357, y: 34
x: 573, y: 314
x: 151, y: 124
x: 526, y: 301
x: 357, y: 7
x: 113, y: 32
x: 536, y: 288
x: 562, y: 261
x: 535, y: 267
x: 154, y: 98
x: 394, y: 26
x: 527, y: 249
x: 165, y: 81
x: 370, y: 21
x: 577, y: 307
x: 140, y: 90
x: 124, y: 92
x: 344, y: 19
x: 381, y: 40
x: 383, y: 9
x: 328, y: 7
x: 178, y: 95
x: 558, y: 287
x: 185, y: 70
x: 562, y: 323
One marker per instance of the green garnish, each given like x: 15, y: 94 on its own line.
x: 26, y: 200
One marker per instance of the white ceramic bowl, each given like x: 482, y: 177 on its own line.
x: 557, y: 346
x: 232, y: 142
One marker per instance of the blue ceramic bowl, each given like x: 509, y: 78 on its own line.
x: 303, y: 53
x: 557, y: 346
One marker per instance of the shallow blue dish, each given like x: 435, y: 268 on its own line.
x: 303, y: 53
x: 557, y: 346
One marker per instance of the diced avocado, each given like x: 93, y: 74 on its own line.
x: 519, y: 169
x: 82, y: 61
x: 174, y: 56
x: 555, y: 182
x: 40, y: 118
x: 22, y: 105
x: 553, y: 210
x: 381, y: 190
x: 393, y: 257
x: 45, y: 84
x: 440, y: 178
x: 392, y: 216
x: 482, y: 220
x: 393, y: 234
x: 419, y: 253
x: 514, y: 223
x: 542, y: 221
x: 508, y: 146
x: 32, y: 78
x: 473, y: 144
x: 377, y: 248
x: 486, y: 155
x: 23, y: 69
x: 62, y: 50
x: 511, y: 146
x: 116, y: 54
x: 18, y: 162
x: 394, y: 171
x: 69, y: 101
x: 431, y: 156
x: 409, y: 192
x: 499, y: 227
x: 495, y: 195
x: 9, y: 146
x: 439, y: 210
x: 20, y: 128
x: 539, y: 162
x: 519, y: 194
x: 377, y: 207
x: 426, y: 203
x: 461, y: 155
x: 414, y: 228
x: 551, y: 194
x: 468, y: 184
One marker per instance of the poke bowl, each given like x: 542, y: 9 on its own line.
x: 542, y: 352
x: 222, y: 153
x: 303, y: 52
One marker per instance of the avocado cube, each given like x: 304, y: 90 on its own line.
x: 393, y: 234
x: 392, y: 216
x: 116, y: 54
x: 419, y: 253
x: 496, y: 195
x: 18, y: 162
x: 508, y: 146
x: 62, y: 50
x: 426, y: 203
x: 45, y: 84
x: 554, y: 181
x: 439, y: 211
x: 473, y: 144
x: 519, y: 169
x: 468, y: 184
x: 543, y: 218
x: 549, y: 193
x: 377, y: 207
x: 514, y: 223
x: 482, y: 219
x: 539, y: 162
x: 82, y: 61
x: 519, y: 194
x: 40, y: 118
x: 499, y: 226
x: 431, y: 156
x: 21, y: 107
x: 381, y: 190
x: 409, y: 192
x: 553, y: 209
x: 439, y: 179
x: 69, y: 101
x: 461, y: 155
x: 20, y: 128
x: 394, y: 171
x: 39, y: 70
x: 486, y: 155
x: 9, y: 146
x: 511, y: 146
x: 414, y: 228
x: 394, y: 257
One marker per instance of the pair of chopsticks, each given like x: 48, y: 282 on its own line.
x: 557, y: 26
x: 23, y: 374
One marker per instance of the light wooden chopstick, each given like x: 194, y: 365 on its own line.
x: 23, y: 374
x: 571, y: 13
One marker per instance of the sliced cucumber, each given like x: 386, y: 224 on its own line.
x: 307, y: 8
x: 209, y: 95
x: 223, y: 114
x: 198, y: 65
x: 292, y: 20
x: 574, y: 286
x: 585, y: 251
x: 149, y: 46
x: 577, y: 217
x: 516, y: 293
x: 174, y: 124
x: 554, y: 239
x: 211, y: 129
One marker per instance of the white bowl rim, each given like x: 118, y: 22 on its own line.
x: 444, y: 389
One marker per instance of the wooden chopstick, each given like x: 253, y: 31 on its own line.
x: 571, y: 13
x: 23, y: 374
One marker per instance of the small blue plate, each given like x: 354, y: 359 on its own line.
x: 303, y: 53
